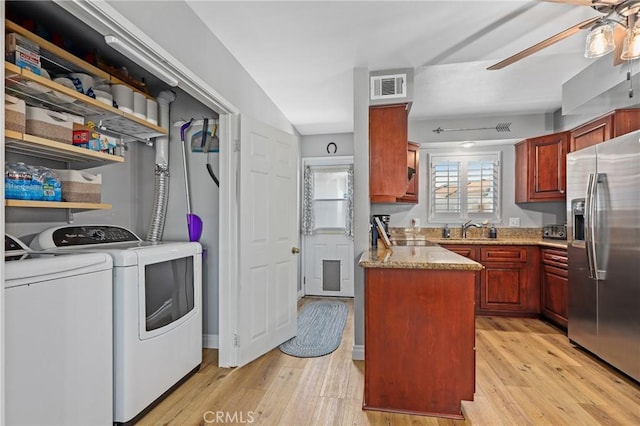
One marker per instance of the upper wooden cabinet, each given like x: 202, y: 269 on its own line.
x: 388, y: 178
x: 614, y: 124
x: 541, y: 168
x: 413, y: 167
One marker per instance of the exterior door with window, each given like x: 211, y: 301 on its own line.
x: 328, y: 245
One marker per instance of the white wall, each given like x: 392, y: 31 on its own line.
x: 361, y: 205
x: 530, y: 214
x: 179, y: 30
x: 316, y: 145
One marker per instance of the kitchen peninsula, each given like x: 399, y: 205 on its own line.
x: 419, y: 330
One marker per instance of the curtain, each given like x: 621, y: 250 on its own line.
x: 348, y: 229
x: 308, y: 219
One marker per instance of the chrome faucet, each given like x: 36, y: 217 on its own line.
x: 468, y: 225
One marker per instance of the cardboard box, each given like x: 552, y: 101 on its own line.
x: 13, y: 41
x: 25, y: 59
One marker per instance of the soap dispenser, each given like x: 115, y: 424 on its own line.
x: 446, y: 232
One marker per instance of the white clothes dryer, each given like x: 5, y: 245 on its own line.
x: 157, y: 311
x: 58, y: 337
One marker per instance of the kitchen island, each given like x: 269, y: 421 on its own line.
x: 419, y: 330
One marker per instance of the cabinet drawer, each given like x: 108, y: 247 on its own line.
x: 561, y: 272
x: 555, y: 258
x: 466, y: 251
x: 503, y: 254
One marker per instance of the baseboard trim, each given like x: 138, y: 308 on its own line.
x: 357, y: 352
x: 210, y: 341
x: 300, y: 294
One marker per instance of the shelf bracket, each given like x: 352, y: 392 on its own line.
x: 118, y: 134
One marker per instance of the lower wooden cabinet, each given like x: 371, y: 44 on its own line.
x: 419, y: 341
x: 509, y: 284
x: 554, y: 286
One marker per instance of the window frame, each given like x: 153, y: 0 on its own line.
x: 464, y: 159
x: 329, y: 169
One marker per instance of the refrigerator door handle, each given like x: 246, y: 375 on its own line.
x: 600, y: 240
x: 589, y: 225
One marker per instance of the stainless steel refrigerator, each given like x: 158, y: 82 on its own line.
x: 603, y: 219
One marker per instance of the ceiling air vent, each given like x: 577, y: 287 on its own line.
x: 388, y: 86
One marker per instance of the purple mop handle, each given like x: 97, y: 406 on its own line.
x: 184, y: 127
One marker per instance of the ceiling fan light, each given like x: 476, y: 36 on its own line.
x: 599, y: 41
x: 631, y: 45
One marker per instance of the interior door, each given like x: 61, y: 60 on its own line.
x: 268, y: 266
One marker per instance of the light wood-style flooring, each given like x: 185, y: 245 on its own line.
x: 527, y: 373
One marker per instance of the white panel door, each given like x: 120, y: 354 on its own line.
x: 267, y: 294
x: 321, y: 253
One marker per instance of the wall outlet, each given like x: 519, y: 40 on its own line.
x: 415, y: 222
x: 514, y: 222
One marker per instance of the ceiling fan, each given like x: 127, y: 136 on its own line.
x: 617, y: 30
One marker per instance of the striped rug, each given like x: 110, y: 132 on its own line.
x: 320, y: 326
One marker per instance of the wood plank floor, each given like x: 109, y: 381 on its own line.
x: 527, y: 373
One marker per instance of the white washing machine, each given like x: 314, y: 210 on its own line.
x: 157, y: 310
x: 58, y: 337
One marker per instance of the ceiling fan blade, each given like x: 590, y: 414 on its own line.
x: 585, y: 2
x: 544, y: 44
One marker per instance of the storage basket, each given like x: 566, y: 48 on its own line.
x: 14, y: 114
x: 56, y: 126
x: 79, y: 186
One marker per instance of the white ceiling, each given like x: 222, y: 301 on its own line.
x: 302, y: 53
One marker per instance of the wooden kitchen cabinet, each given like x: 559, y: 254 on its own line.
x: 388, y: 130
x: 554, y: 286
x: 413, y: 167
x: 509, y: 282
x: 614, y: 124
x: 541, y: 168
x: 419, y: 341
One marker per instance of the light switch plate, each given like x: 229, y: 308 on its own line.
x: 514, y: 222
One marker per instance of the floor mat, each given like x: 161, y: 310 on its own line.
x: 320, y: 326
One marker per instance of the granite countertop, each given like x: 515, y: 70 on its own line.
x: 417, y: 257
x: 561, y: 244
x: 506, y: 237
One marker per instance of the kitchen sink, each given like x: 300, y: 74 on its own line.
x: 414, y: 243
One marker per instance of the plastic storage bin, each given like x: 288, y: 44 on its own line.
x: 79, y: 186
x: 48, y: 124
x: 14, y: 114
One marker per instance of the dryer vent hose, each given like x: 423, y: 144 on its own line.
x: 160, y: 198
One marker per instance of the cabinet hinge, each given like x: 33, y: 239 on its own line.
x: 236, y: 340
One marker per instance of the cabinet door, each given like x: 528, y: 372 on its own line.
x: 543, y: 170
x: 554, y: 296
x: 625, y: 121
x: 592, y: 133
x: 503, y: 287
x: 387, y: 152
x: 413, y: 167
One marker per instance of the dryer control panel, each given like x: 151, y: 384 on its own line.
x: 67, y: 236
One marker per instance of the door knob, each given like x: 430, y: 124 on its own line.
x: 295, y: 250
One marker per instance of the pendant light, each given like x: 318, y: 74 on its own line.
x: 631, y: 44
x: 600, y: 41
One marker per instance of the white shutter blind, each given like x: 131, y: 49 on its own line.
x: 465, y: 187
x: 482, y: 179
x: 446, y: 184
